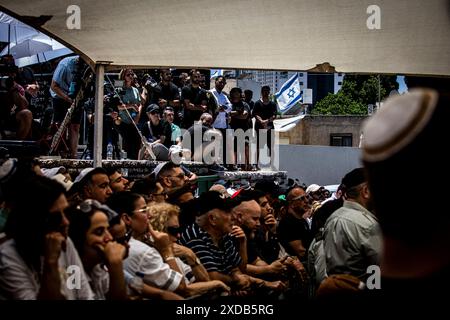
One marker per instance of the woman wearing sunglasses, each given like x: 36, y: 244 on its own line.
x: 164, y: 218
x: 101, y: 256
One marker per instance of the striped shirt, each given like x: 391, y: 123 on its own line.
x: 223, y: 258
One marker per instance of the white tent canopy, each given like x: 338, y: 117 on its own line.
x: 414, y: 35
x: 14, y: 31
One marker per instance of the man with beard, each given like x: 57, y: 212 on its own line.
x: 352, y: 236
x: 194, y: 100
x: 117, y: 182
x: 293, y: 229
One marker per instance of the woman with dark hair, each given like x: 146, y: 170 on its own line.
x: 39, y: 261
x: 129, y: 113
x: 151, y: 254
x: 101, y: 256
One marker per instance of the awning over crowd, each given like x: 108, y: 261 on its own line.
x: 398, y: 37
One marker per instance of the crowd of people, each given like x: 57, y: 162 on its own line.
x: 152, y: 117
x: 102, y: 236
x: 153, y: 239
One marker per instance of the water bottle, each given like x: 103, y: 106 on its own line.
x: 123, y: 156
x: 109, y: 151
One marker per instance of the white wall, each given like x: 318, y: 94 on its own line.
x: 318, y: 164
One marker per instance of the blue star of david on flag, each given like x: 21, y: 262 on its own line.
x: 289, y: 94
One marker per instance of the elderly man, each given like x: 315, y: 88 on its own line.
x: 213, y: 238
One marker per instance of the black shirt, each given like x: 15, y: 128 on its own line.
x: 268, y: 250
x: 155, y: 132
x: 243, y: 124
x: 167, y: 92
x: 290, y: 229
x: 265, y: 111
x: 195, y: 96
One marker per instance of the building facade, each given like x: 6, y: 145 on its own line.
x: 338, y: 131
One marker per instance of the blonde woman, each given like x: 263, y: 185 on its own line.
x: 164, y: 218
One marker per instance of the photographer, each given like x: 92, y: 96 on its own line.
x: 14, y: 112
x: 62, y: 90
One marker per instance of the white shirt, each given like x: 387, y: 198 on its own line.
x: 19, y: 282
x: 221, y: 119
x: 99, y: 282
x: 147, y: 261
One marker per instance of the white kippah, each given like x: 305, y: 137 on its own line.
x: 397, y: 123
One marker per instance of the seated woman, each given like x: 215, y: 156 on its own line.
x: 101, y: 256
x: 152, y: 260
x: 38, y: 260
x: 164, y: 218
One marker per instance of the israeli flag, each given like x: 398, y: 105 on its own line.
x: 216, y: 72
x: 289, y: 94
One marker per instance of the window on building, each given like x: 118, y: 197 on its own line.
x: 301, y: 74
x: 341, y: 140
x: 301, y: 83
x: 340, y: 74
x: 340, y: 83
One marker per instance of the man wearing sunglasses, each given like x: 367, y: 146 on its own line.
x: 170, y: 175
x: 293, y: 229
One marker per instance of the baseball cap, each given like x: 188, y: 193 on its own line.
x: 354, y: 178
x: 152, y: 108
x: 211, y: 200
x: 312, y: 188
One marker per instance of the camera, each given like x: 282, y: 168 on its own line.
x: 6, y: 83
x: 6, y: 80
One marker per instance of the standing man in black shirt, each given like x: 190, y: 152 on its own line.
x: 265, y: 112
x: 194, y: 100
x: 240, y: 119
x: 166, y: 94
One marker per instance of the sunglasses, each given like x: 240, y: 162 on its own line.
x: 143, y: 210
x: 90, y: 205
x: 303, y: 197
x: 174, y: 231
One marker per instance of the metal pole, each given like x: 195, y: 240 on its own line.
x: 98, y: 124
x: 379, y: 91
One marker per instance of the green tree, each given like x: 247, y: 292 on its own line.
x: 357, y: 92
x: 339, y: 104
